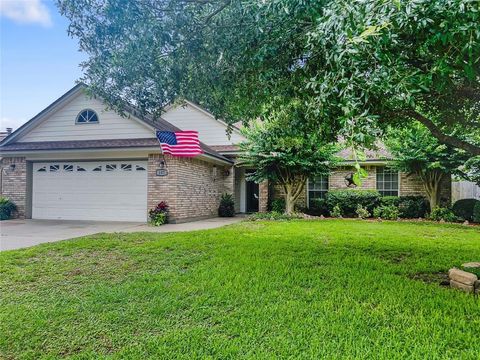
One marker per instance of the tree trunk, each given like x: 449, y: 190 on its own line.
x: 293, y: 189
x: 432, y: 182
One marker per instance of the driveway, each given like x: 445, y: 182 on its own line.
x: 17, y: 234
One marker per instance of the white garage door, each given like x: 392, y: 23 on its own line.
x: 101, y: 190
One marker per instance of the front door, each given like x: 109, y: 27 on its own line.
x: 252, y: 196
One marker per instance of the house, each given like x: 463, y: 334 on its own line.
x: 78, y: 160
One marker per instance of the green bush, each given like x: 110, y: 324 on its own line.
x: 442, y: 213
x: 7, y: 207
x: 227, y: 206
x: 412, y: 207
x: 272, y: 215
x: 362, y: 213
x: 159, y: 215
x: 390, y: 201
x: 278, y: 205
x: 348, y: 200
x: 318, y: 207
x: 464, y: 208
x: 476, y: 213
x: 387, y: 212
x: 336, y: 211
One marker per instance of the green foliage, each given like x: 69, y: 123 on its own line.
x: 476, y: 213
x: 362, y: 213
x: 318, y: 52
x: 418, y: 153
x: 442, y: 214
x: 387, y: 212
x: 464, y: 208
x: 337, y: 211
x: 159, y: 215
x: 471, y: 170
x: 273, y: 215
x: 348, y: 200
x: 6, y: 208
x: 412, y: 207
x: 227, y: 206
x: 318, y: 207
x: 285, y: 155
x: 278, y: 205
x: 389, y: 200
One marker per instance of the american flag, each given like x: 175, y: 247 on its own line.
x: 180, y: 143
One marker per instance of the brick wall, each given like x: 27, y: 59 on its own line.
x: 191, y: 188
x: 409, y: 185
x: 14, y: 183
x: 263, y: 196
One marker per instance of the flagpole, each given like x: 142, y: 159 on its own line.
x: 161, y: 150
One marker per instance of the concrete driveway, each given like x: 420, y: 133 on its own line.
x: 16, y: 234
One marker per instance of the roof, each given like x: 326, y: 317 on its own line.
x: 156, y: 123
x: 380, y: 153
x: 225, y: 148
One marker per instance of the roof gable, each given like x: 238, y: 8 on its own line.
x: 59, y: 123
x: 189, y: 116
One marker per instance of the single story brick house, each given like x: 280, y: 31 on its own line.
x: 78, y: 160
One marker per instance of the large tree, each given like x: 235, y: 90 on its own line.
x: 286, y: 155
x: 358, y: 66
x: 418, y: 153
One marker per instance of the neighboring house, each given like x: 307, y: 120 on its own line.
x: 76, y: 160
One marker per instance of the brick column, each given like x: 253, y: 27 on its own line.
x: 162, y: 188
x: 14, y: 183
x: 229, y: 180
x: 263, y: 196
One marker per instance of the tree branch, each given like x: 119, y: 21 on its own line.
x: 444, y: 138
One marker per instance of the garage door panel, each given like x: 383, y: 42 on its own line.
x: 60, y: 191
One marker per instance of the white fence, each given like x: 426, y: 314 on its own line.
x: 465, y: 190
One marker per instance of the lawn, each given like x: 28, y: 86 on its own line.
x: 263, y: 290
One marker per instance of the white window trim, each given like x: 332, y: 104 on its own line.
x: 399, y: 180
x: 308, y: 190
x: 89, y: 122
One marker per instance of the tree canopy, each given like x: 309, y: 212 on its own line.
x: 417, y: 152
x: 356, y: 66
x: 286, y: 155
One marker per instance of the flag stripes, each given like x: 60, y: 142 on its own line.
x: 180, y: 143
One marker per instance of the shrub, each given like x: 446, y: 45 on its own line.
x: 336, y: 211
x: 159, y: 215
x: 387, y: 212
x: 390, y: 200
x: 362, y: 213
x: 476, y: 213
x: 348, y: 200
x: 412, y: 207
x: 227, y: 206
x: 6, y: 208
x: 272, y: 215
x: 442, y: 213
x: 464, y: 208
x: 318, y: 207
x: 278, y: 205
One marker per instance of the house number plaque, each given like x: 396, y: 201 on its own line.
x: 162, y: 172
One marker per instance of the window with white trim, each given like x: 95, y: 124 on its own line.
x: 87, y: 116
x: 317, y: 188
x: 387, y: 181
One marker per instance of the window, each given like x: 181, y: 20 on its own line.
x: 126, y: 167
x: 139, y: 168
x: 317, y: 188
x: 68, y: 168
x: 387, y: 181
x: 87, y: 116
x: 98, y: 168
x: 111, y: 167
x: 79, y: 168
x: 54, y: 168
x: 42, y: 169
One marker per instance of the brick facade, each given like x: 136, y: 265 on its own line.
x: 14, y: 183
x: 192, y: 187
x: 408, y: 185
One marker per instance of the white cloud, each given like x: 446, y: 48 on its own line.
x: 26, y: 11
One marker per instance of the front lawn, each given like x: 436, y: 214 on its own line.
x: 299, y: 289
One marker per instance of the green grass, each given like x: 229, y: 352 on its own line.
x: 263, y: 290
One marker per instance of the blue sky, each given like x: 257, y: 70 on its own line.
x: 38, y: 60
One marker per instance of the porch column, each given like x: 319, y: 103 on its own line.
x: 263, y: 196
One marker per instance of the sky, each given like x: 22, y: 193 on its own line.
x: 39, y: 62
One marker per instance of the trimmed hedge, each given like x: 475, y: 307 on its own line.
x: 318, y: 207
x: 348, y: 200
x: 476, y: 213
x: 464, y: 208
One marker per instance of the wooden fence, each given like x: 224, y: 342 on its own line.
x: 465, y: 190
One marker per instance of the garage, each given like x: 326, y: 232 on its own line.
x: 97, y: 190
